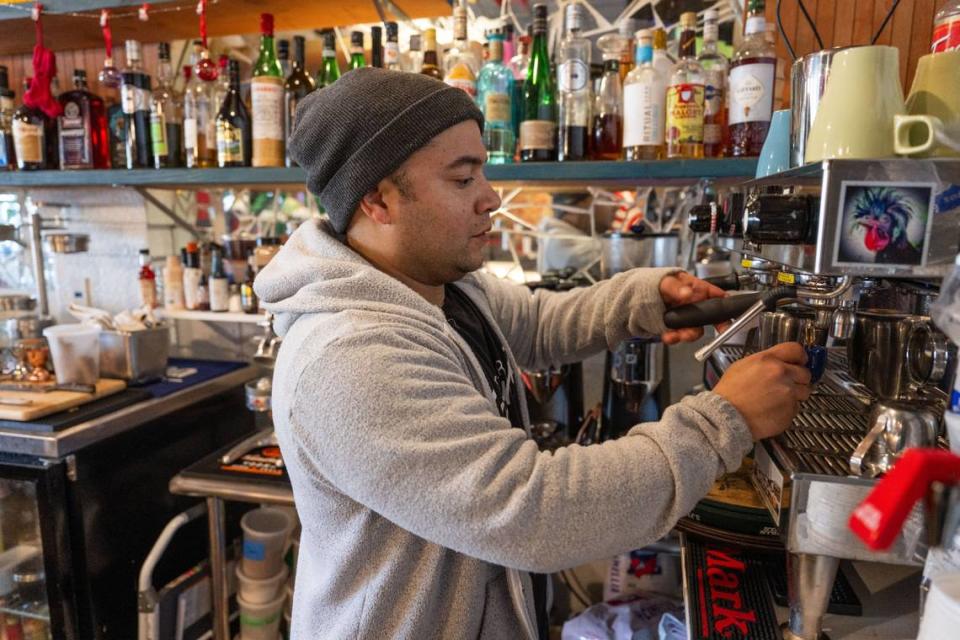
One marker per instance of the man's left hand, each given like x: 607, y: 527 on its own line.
x: 680, y: 289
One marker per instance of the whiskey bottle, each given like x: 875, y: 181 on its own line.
x: 234, y: 131
x: 267, y: 100
x: 33, y: 131
x: 83, y: 134
x: 752, y: 72
x: 685, y: 95
x: 714, y: 66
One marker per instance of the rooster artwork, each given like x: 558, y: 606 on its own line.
x: 889, y: 223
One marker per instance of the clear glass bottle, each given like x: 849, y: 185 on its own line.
x: 619, y: 45
x: 413, y: 59
x: 685, y: 95
x: 538, y: 126
x: 662, y: 59
x: 297, y: 86
x: 166, y: 118
x: 200, y: 114
x: 266, y: 101
x: 83, y: 134
x: 221, y: 86
x: 460, y: 66
x: 518, y: 65
x: 357, y: 59
x: 431, y: 63
x: 573, y: 88
x: 644, y: 99
x: 495, y: 97
x: 607, y: 142
x: 330, y: 71
x: 135, y: 96
x: 391, y: 48
x: 752, y: 74
x: 714, y: 66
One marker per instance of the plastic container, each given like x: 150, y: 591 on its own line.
x: 260, y: 621
x: 75, y: 349
x: 261, y: 590
x: 265, y: 535
x: 952, y: 421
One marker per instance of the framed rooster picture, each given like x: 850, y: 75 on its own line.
x: 884, y: 223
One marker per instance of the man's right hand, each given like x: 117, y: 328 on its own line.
x: 767, y: 388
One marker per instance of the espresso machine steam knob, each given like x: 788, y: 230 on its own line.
x: 703, y: 218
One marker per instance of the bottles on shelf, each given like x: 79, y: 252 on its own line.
x: 376, y: 47
x: 330, y: 71
x: 412, y: 61
x: 148, y: 281
x: 283, y: 56
x: 166, y: 119
x: 296, y: 87
x: 714, y: 66
x: 135, y: 97
x: 538, y: 128
x: 82, y: 128
x: 34, y: 137
x: 685, y: 96
x: 460, y: 66
x: 495, y: 98
x: 752, y: 73
x: 573, y: 86
x: 356, y: 50
x: 234, y: 130
x: 431, y: 64
x: 391, y: 49
x: 607, y: 140
x: 267, y: 101
x: 644, y: 98
x: 199, y: 114
x: 219, y: 285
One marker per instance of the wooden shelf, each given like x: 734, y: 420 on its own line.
x: 625, y: 174
x: 212, y: 316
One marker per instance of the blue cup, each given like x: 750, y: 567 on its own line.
x: 816, y: 361
x: 775, y: 154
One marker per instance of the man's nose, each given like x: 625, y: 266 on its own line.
x: 489, y: 200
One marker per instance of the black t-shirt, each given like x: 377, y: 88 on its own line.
x: 467, y: 320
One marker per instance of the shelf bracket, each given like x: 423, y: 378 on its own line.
x: 167, y: 211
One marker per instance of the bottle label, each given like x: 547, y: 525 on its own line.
x: 461, y: 77
x: 391, y: 54
x: 497, y: 107
x: 266, y: 95
x: 158, y: 134
x: 229, y: 143
x: 210, y: 133
x: 28, y: 141
x: 190, y: 134
x: 134, y: 99
x: 538, y: 134
x: 6, y: 104
x: 219, y: 294
x: 572, y: 76
x: 643, y: 106
x: 751, y: 92
x: 946, y: 35
x: 755, y: 24
x: 75, y: 151
x: 685, y: 114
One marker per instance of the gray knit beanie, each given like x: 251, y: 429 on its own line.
x: 354, y: 133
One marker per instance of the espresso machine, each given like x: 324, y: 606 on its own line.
x: 845, y: 257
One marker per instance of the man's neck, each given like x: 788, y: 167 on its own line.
x: 431, y: 293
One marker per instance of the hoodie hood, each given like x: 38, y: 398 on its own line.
x: 316, y: 272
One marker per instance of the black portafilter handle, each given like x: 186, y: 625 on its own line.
x: 717, y: 310
x: 728, y: 282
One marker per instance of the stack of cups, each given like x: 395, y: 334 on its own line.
x: 941, y: 613
x: 262, y: 573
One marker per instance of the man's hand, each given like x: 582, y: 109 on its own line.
x: 767, y: 388
x: 680, y: 289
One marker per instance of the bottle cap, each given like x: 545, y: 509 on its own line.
x: 628, y: 27
x: 688, y: 20
x: 376, y: 33
x: 391, y: 29
x: 711, y: 15
x: 266, y: 24
x: 356, y: 38
x: 133, y: 51
x: 329, y: 42
x: 573, y: 16
x: 192, y: 247
x: 79, y: 74
x: 644, y: 37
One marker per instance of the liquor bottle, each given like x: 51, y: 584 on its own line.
x: 248, y: 297
x: 297, y: 86
x: 431, y: 66
x: 357, y: 60
x: 283, y: 56
x: 166, y: 118
x: 376, y: 47
x: 412, y: 61
x: 202, y: 295
x: 135, y: 96
x: 391, y: 50
x: 219, y: 285
x: 117, y: 125
x: 460, y: 65
x: 6, y: 93
x: 200, y: 114
x: 266, y: 99
x: 714, y: 66
x: 234, y: 131
x: 509, y: 41
x: 607, y: 142
x: 627, y: 28
x: 330, y: 72
x: 173, y: 297
x: 644, y: 97
x: 7, y: 157
x: 518, y: 65
x: 190, y: 138
x: 83, y: 135
x: 221, y: 86
x: 494, y: 96
x: 685, y: 95
x: 573, y: 86
x: 33, y: 132
x: 538, y: 135
x: 662, y: 59
x: 752, y: 72
x: 148, y: 281
x: 620, y: 45
x: 191, y: 276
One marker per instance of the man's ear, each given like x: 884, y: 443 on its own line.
x: 375, y: 207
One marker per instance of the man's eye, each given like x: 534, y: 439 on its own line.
x: 466, y: 182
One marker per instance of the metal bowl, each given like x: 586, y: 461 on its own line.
x: 14, y: 301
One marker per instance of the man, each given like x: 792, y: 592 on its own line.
x: 426, y: 510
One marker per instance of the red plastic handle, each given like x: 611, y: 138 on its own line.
x: 879, y: 519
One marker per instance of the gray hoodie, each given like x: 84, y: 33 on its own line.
x: 422, y: 508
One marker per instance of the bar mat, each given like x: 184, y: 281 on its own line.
x: 843, y: 599
x: 196, y: 371
x: 727, y: 593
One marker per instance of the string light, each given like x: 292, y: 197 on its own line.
x: 139, y: 14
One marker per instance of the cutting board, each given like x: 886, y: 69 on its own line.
x: 43, y: 404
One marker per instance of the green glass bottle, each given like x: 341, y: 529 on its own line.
x: 538, y: 129
x: 266, y: 99
x: 357, y: 60
x: 330, y: 71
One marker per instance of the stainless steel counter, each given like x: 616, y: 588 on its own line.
x: 62, y: 443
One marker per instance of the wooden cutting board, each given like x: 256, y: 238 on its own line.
x: 43, y: 404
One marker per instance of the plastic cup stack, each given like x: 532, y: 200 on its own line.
x: 262, y: 573
x: 941, y: 614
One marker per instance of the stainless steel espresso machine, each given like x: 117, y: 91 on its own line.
x: 845, y: 257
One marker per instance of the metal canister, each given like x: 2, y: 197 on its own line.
x: 808, y: 80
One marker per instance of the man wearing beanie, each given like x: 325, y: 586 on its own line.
x: 426, y: 509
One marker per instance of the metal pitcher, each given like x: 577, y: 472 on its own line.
x: 808, y: 79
